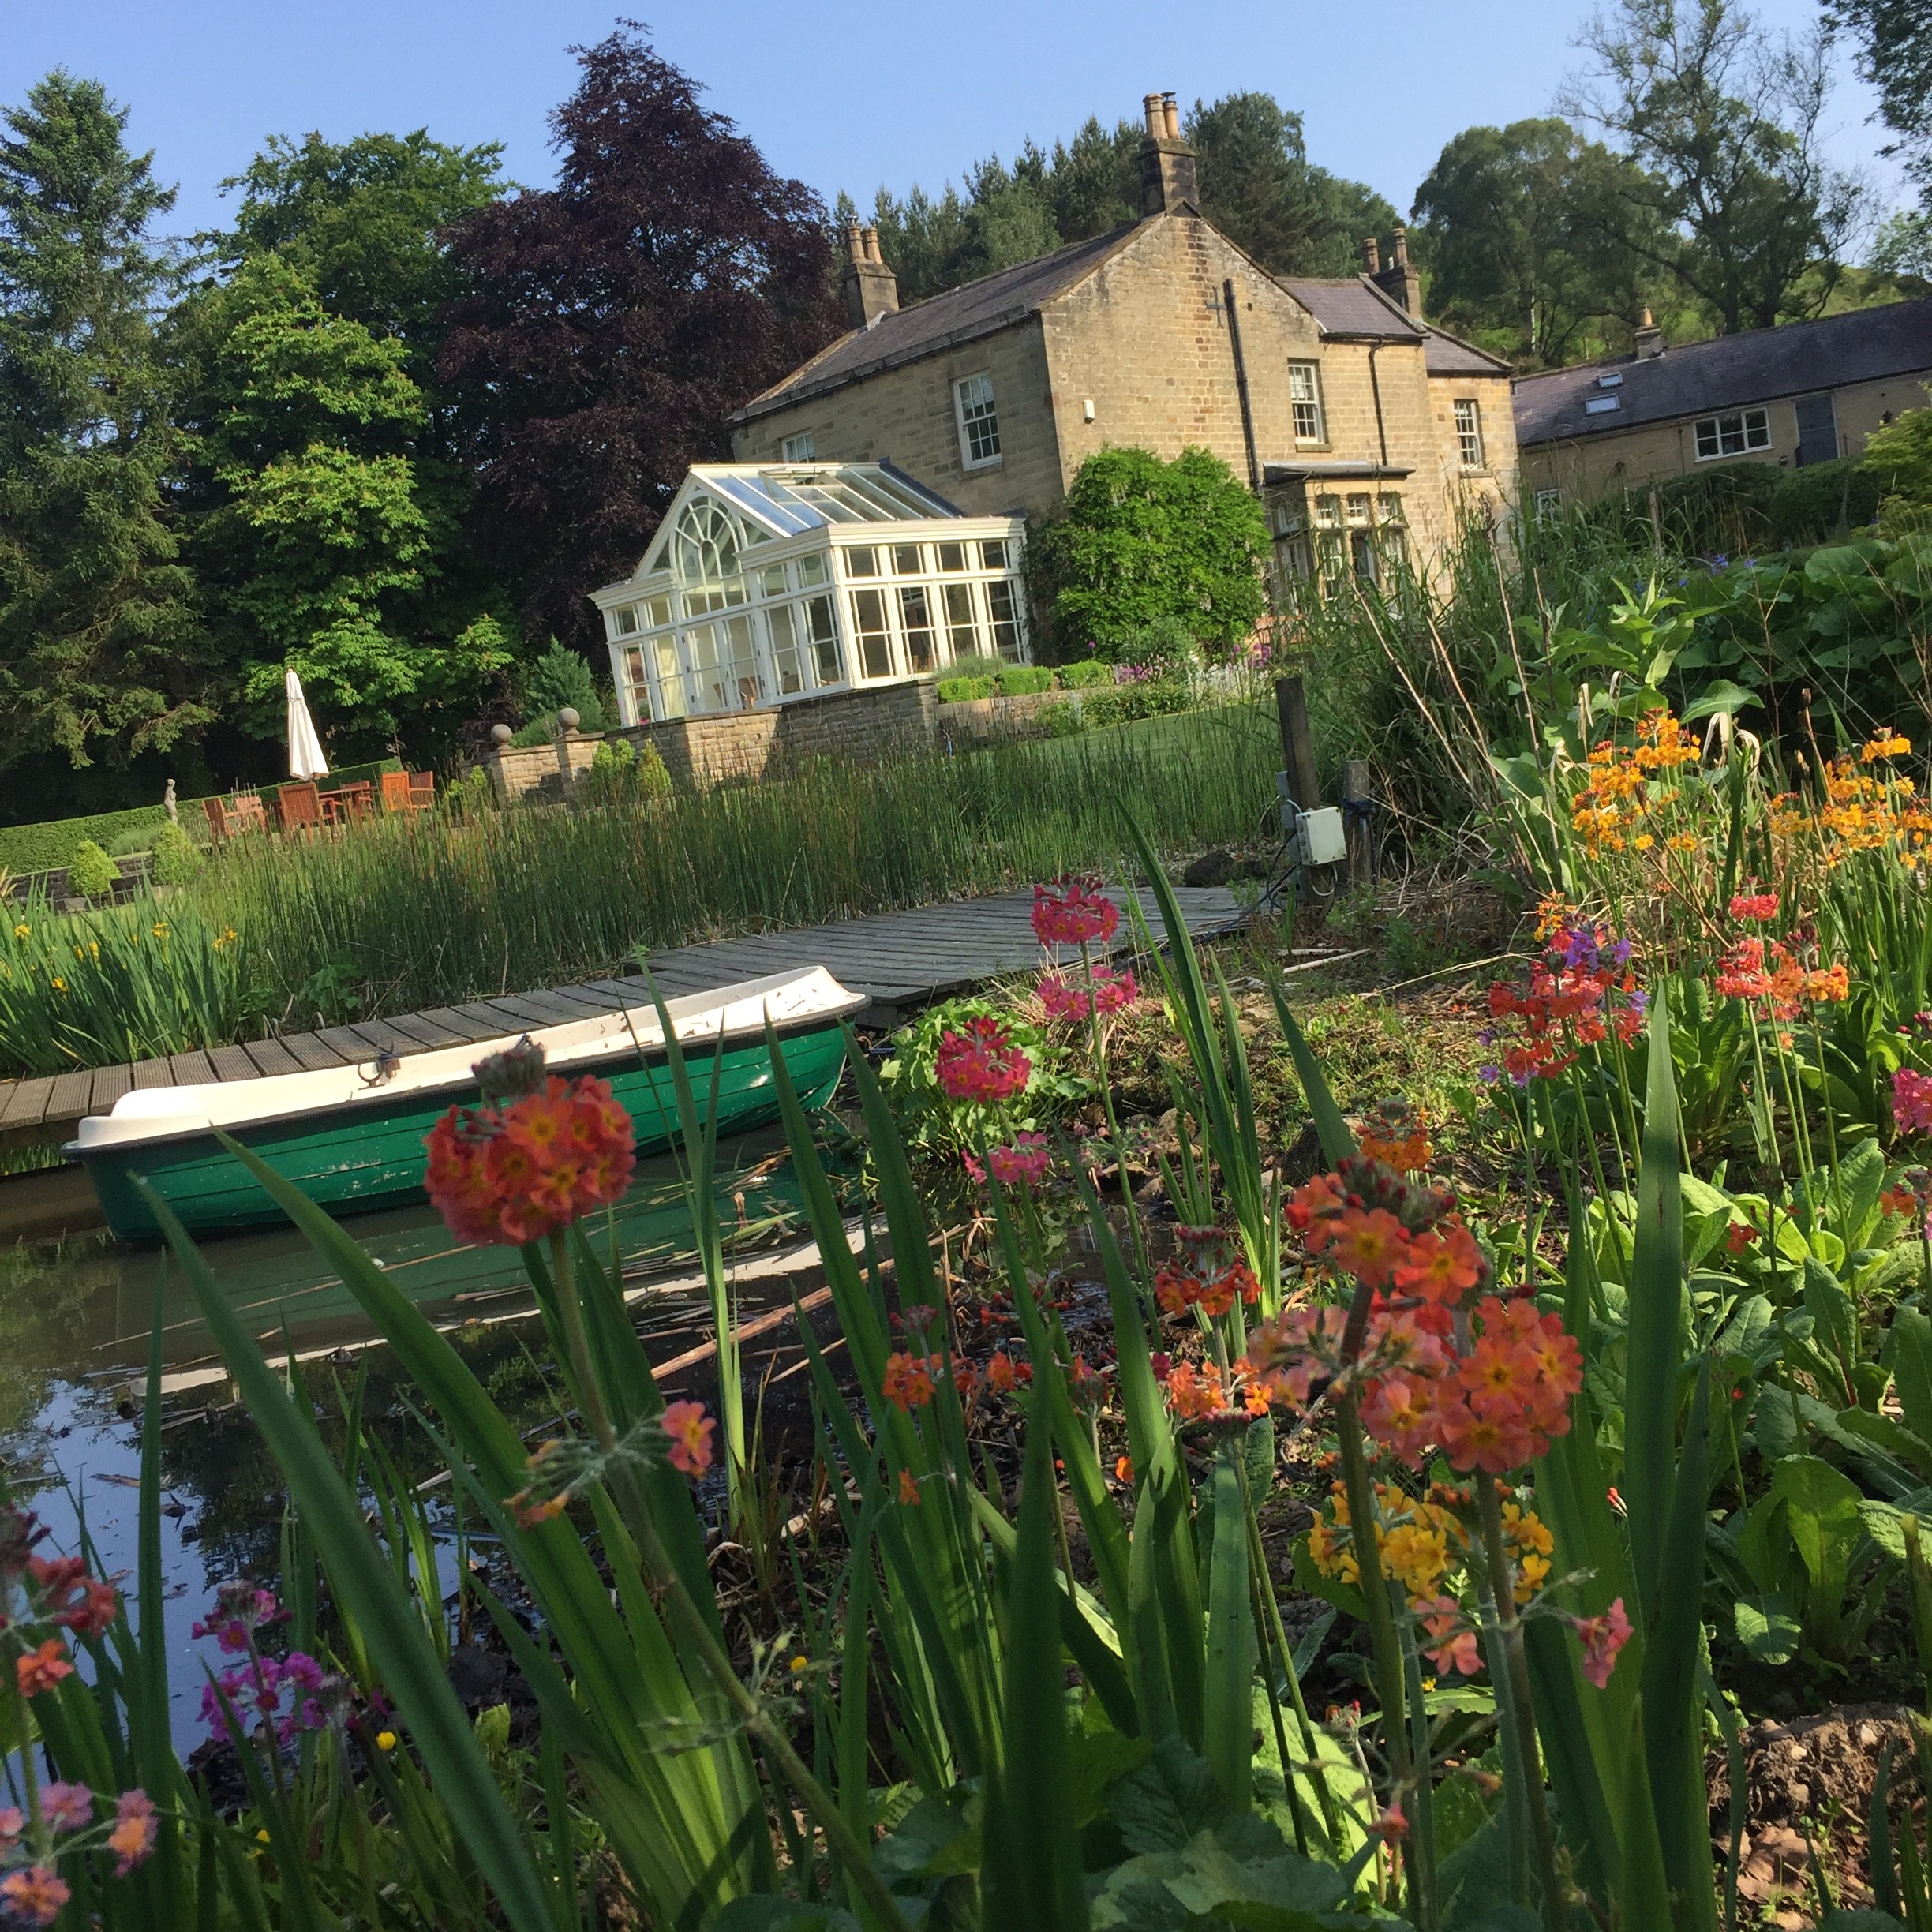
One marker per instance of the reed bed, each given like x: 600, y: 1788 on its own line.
x: 413, y: 913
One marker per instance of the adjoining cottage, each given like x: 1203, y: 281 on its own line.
x: 1368, y: 433
x: 769, y: 583
x: 1802, y: 393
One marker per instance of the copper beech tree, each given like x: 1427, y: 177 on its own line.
x: 613, y: 323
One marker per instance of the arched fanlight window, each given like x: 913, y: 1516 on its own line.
x: 706, y: 551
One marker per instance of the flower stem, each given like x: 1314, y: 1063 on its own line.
x: 1513, y: 1681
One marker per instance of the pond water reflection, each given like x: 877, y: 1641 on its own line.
x: 76, y: 1317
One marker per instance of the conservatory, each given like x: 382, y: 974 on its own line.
x: 766, y: 584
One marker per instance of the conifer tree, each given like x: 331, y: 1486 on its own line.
x: 98, y: 649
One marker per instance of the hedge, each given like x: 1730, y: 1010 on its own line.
x: 50, y: 845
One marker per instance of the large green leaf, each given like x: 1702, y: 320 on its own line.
x: 1654, y: 1341
x: 1228, y: 1718
x: 368, y: 1592
x: 1672, y: 1697
x: 1032, y: 1874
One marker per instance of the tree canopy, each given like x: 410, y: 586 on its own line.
x: 610, y: 325
x: 1256, y: 184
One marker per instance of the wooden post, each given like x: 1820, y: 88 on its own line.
x: 1359, y: 823
x: 1297, y: 747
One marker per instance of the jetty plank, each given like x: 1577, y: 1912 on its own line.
x: 900, y: 960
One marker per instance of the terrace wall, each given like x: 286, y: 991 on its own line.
x: 858, y: 726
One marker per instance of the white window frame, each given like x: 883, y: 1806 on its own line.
x: 1754, y: 430
x: 1548, y: 505
x: 800, y: 448
x: 1307, y: 408
x: 1468, y: 430
x: 984, y: 413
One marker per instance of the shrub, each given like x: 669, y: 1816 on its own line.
x: 1084, y: 674
x: 1165, y: 644
x: 621, y: 773
x: 91, y: 872
x: 1898, y: 459
x: 975, y: 664
x: 963, y: 689
x: 135, y: 838
x: 176, y: 858
x: 1139, y: 539
x: 1023, y: 680
x: 558, y: 680
x: 1147, y: 698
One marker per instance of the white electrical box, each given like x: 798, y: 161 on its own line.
x: 1322, y: 839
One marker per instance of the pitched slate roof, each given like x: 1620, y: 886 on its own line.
x: 1867, y: 345
x: 959, y: 315
x: 1444, y: 354
x: 1354, y: 307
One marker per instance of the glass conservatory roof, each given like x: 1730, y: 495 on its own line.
x: 787, y: 499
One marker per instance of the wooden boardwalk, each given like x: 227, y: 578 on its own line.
x: 900, y: 960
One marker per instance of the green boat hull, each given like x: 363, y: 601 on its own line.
x: 374, y: 1158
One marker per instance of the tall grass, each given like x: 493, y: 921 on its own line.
x: 415, y: 912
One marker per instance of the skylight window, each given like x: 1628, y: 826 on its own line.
x: 1600, y: 405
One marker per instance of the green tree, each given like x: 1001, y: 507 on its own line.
x: 1139, y: 540
x: 1894, y: 41
x: 1524, y: 235
x: 1258, y: 188
x: 364, y: 218
x: 1899, y: 455
x: 310, y: 521
x: 99, y: 654
x: 1256, y: 183
x: 1730, y: 193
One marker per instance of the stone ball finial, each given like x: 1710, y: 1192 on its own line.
x: 501, y: 735
x: 567, y: 718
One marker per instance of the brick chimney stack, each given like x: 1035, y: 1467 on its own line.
x: 1168, y: 184
x: 1372, y: 255
x: 870, y: 287
x: 1649, y: 339
x: 1398, y: 281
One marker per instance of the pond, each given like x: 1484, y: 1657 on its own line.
x: 76, y: 1317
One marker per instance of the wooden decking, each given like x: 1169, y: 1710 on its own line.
x: 900, y: 960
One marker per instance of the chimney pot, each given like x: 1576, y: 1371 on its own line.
x: 1648, y: 339
x: 1399, y: 240
x: 1168, y: 183
x: 870, y: 288
x: 1372, y: 255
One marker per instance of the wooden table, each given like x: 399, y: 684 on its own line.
x: 347, y: 803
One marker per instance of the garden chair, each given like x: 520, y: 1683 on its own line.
x: 422, y: 791
x: 300, y: 805
x: 395, y: 791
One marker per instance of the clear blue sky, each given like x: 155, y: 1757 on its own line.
x: 846, y: 93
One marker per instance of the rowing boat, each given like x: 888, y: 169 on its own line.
x: 351, y: 1137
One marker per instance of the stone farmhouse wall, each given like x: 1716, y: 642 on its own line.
x: 1587, y: 467
x: 907, y: 414
x: 1145, y: 340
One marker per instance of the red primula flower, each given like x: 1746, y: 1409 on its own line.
x: 908, y: 1382
x: 980, y: 1064
x: 690, y: 1429
x: 1074, y: 911
x: 514, y: 1174
x: 1757, y: 907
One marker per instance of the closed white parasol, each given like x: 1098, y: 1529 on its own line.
x: 306, y: 759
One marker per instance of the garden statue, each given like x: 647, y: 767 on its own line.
x: 168, y: 804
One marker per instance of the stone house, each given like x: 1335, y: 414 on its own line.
x: 1367, y: 432
x: 1802, y: 393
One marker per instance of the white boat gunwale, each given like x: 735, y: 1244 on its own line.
x: 625, y: 1035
